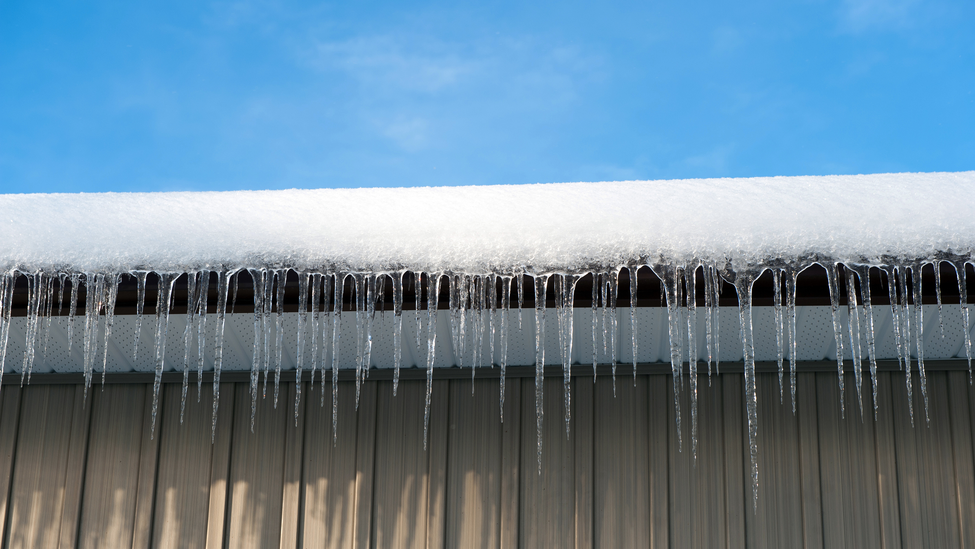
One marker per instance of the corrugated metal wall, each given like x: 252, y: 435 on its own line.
x: 87, y: 474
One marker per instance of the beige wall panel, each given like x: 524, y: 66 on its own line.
x: 659, y: 417
x: 778, y: 519
x: 9, y: 419
x: 964, y: 461
x: 926, y: 473
x: 583, y: 409
x: 511, y: 464
x: 697, y: 487
x: 112, y: 473
x: 294, y: 442
x: 437, y: 465
x: 548, y: 498
x: 738, y: 487
x: 848, y: 464
x: 887, y: 463
x: 220, y: 466
x: 183, y: 483
x: 38, y: 491
x: 256, y: 470
x: 401, y: 481
x: 330, y: 470
x: 474, y: 465
x: 808, y: 433
x: 622, y: 451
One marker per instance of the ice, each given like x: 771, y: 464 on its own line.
x: 737, y: 229
x: 960, y: 272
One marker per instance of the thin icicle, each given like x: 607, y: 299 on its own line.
x: 744, y: 282
x: 111, y: 296
x: 337, y: 304
x: 316, y: 297
x: 223, y: 286
x: 35, y: 283
x: 690, y: 282
x: 919, y: 333
x: 613, y: 320
x: 541, y: 282
x: 163, y: 303
x: 258, y: 277
x: 894, y: 313
x: 492, y: 296
x: 418, y: 297
x: 73, y: 308
x: 7, y: 284
x: 670, y: 276
x: 203, y: 291
x: 634, y: 293
x: 94, y: 296
x: 520, y: 277
x: 595, y: 300
x: 371, y: 295
x: 853, y: 322
x: 791, y: 275
x: 779, y: 329
x: 863, y: 273
x: 834, y: 301
x: 505, y: 322
x: 565, y: 297
x: 140, y: 303
x: 397, y: 327
x: 433, y: 297
x: 937, y: 293
x: 905, y: 335
x: 187, y: 339
x: 268, y: 280
x: 282, y: 277
x: 303, y: 281
x: 48, y: 294
x: 233, y: 299
x: 708, y: 315
x: 962, y: 275
x: 359, y: 285
x: 716, y: 279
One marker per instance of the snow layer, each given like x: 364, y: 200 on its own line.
x: 540, y: 228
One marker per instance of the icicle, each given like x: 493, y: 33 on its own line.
x: 894, y: 313
x: 505, y: 321
x: 187, y: 339
x: 604, y: 290
x: 791, y: 275
x: 744, y: 282
x: 303, y: 281
x: 282, y: 277
x: 140, y: 303
x: 613, y: 320
x: 35, y: 283
x: 962, y: 275
x: 541, y: 282
x: 863, y: 273
x: 834, y: 301
x: 326, y: 327
x: 853, y: 322
x: 233, y: 300
x: 397, y: 327
x: 258, y: 277
x: 73, y: 308
x: 906, y: 335
x: 163, y: 304
x: 708, y: 314
x: 433, y: 296
x: 669, y: 275
x: 595, y: 300
x: 94, y: 295
x: 359, y: 285
x: 371, y: 293
x: 316, y: 297
x: 937, y: 293
x: 339, y: 290
x: 111, y: 296
x: 48, y: 295
x: 203, y: 293
x: 464, y: 282
x: 634, y: 293
x: 520, y: 277
x: 919, y: 333
x: 779, y: 329
x: 268, y: 280
x: 716, y: 279
x: 223, y: 285
x: 493, y: 311
x: 7, y: 284
x: 565, y: 299
x: 418, y: 297
x: 455, y: 307
x: 690, y: 281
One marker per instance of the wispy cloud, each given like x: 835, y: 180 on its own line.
x: 866, y: 15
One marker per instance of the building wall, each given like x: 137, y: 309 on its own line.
x: 83, y: 471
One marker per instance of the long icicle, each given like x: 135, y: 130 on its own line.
x: 634, y: 293
x: 834, y: 302
x: 257, y: 278
x: 541, y: 283
x: 433, y: 298
x: 304, y: 279
x: 853, y: 322
x: 203, y: 294
x: 744, y: 282
x: 337, y: 304
x: 505, y: 322
x: 397, y: 327
x: 905, y: 330
x: 962, y: 275
x: 791, y: 275
x: 779, y: 329
x: 863, y: 274
x: 223, y: 287
x: 111, y: 297
x: 163, y: 302
x: 919, y: 332
x: 690, y: 279
x: 282, y: 277
x: 191, y: 299
x: 671, y: 279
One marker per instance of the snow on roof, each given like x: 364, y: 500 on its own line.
x: 543, y: 228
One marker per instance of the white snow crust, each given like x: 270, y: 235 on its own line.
x: 540, y: 228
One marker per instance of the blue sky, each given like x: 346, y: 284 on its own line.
x: 145, y: 96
